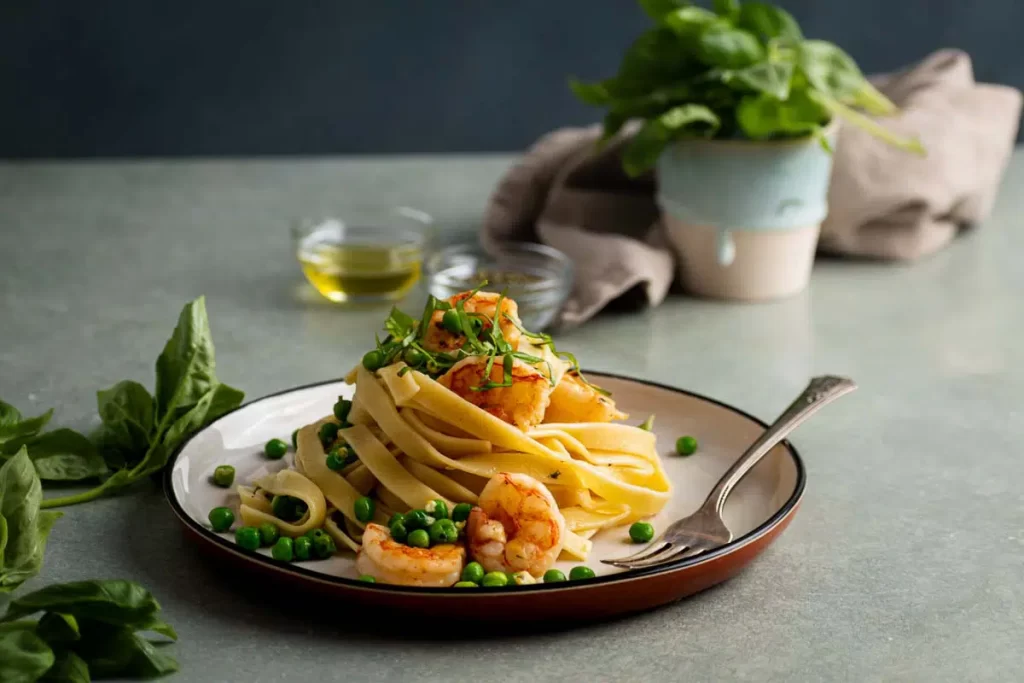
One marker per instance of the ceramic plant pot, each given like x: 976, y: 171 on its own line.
x: 744, y: 216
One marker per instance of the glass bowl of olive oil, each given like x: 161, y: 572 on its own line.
x: 365, y: 256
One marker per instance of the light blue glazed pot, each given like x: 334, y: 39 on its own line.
x: 744, y: 215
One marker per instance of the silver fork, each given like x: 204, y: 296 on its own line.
x: 705, y: 529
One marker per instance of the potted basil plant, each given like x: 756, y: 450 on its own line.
x: 738, y: 115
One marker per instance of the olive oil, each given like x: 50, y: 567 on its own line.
x: 361, y: 272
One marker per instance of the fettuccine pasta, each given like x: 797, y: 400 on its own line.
x: 449, y: 423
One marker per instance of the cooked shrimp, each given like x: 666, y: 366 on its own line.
x: 575, y: 401
x: 516, y: 527
x: 522, y: 404
x: 392, y: 562
x: 438, y: 339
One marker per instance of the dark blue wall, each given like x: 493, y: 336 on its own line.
x: 191, y: 77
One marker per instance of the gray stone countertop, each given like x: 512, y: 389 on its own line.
x: 905, y: 562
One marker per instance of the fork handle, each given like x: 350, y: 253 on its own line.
x: 819, y: 392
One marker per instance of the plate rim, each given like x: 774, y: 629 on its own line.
x: 293, y: 570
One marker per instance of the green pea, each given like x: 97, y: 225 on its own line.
x: 512, y: 580
x: 248, y: 537
x: 418, y: 538
x: 283, y: 550
x: 414, y: 357
x: 328, y: 433
x: 288, y: 508
x: 364, y: 509
x: 494, y: 580
x: 581, y: 572
x: 269, y: 534
x: 450, y: 321
x: 397, y: 517
x: 641, y: 532
x: 221, y: 518
x: 350, y: 455
x: 314, y: 534
x: 323, y: 547
x: 275, y: 449
x: 686, y: 445
x: 341, y: 409
x: 303, y: 548
x: 418, y: 519
x: 399, y: 532
x: 466, y: 584
x: 554, y: 576
x: 474, y: 572
x: 373, y: 360
x: 295, y: 439
x: 437, y: 508
x: 443, y: 531
x: 336, y: 459
x: 460, y: 513
x: 366, y: 578
x: 224, y: 476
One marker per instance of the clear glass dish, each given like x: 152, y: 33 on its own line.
x: 538, y: 277
x: 363, y: 255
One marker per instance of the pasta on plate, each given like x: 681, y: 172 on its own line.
x: 468, y: 439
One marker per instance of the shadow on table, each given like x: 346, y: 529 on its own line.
x: 179, y: 575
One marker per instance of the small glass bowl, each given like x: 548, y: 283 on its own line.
x: 363, y: 255
x: 538, y: 277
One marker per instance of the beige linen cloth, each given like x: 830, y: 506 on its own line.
x: 883, y: 203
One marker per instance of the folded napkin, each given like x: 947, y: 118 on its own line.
x: 883, y: 203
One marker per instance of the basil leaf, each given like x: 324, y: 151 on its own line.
x: 768, y: 22
x: 117, y: 651
x: 18, y: 428
x: 185, y: 369
x: 770, y: 78
x: 9, y: 415
x: 656, y: 58
x: 127, y: 411
x: 644, y: 149
x: 724, y: 46
x: 24, y: 656
x: 763, y: 116
x: 690, y: 22
x: 69, y: 668
x: 25, y: 527
x: 221, y: 400
x: 61, y: 455
x: 400, y: 324
x: 834, y: 73
x: 119, y: 603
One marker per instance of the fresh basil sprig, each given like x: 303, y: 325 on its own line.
x: 744, y: 70
x: 87, y: 629
x: 141, y: 430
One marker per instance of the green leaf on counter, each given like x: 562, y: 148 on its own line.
x: 60, y: 455
x: 23, y: 528
x: 24, y: 656
x: 13, y: 426
x: 111, y: 651
x: 121, y: 603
